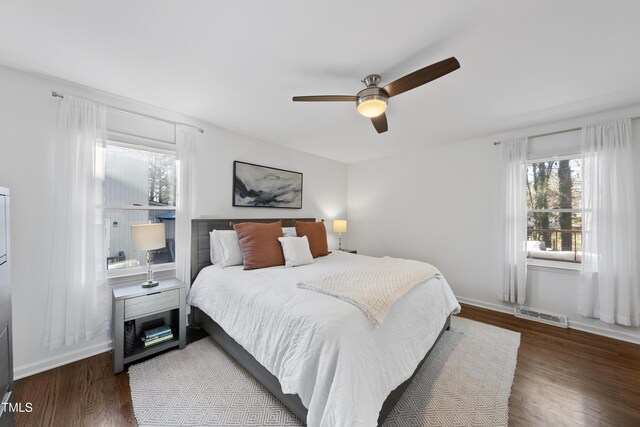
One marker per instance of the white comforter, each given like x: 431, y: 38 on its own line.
x: 319, y: 347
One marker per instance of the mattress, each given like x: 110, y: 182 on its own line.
x: 319, y: 347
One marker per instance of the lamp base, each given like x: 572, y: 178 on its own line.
x: 150, y: 283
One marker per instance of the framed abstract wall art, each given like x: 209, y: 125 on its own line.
x: 263, y: 186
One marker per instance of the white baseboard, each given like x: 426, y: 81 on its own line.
x: 60, y: 360
x: 73, y: 356
x: 605, y: 332
x: 66, y: 358
x: 577, y: 325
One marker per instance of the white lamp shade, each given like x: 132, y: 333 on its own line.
x: 147, y: 237
x: 339, y: 225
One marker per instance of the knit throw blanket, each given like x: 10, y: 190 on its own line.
x: 375, y: 287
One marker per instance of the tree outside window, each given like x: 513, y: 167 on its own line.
x: 554, y: 228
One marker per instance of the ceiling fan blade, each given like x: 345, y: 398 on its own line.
x: 422, y: 76
x: 325, y: 98
x: 380, y: 123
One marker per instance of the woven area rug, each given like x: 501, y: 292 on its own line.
x: 465, y: 381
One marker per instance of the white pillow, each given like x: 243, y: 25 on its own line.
x: 215, y: 250
x: 296, y: 251
x: 289, y: 232
x: 230, y: 253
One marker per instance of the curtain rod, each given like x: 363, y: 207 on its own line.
x: 558, y: 132
x: 111, y: 107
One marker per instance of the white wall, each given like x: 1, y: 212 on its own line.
x: 324, y: 181
x: 440, y: 205
x: 27, y: 123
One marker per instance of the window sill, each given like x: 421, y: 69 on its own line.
x: 133, y: 274
x: 554, y: 266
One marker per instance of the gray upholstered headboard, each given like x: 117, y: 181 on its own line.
x: 200, y: 229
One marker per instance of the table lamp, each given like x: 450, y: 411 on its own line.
x: 339, y: 226
x: 148, y: 237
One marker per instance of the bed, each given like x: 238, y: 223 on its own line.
x: 295, y: 341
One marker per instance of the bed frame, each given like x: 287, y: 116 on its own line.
x: 200, y: 229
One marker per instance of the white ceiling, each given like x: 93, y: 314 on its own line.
x: 238, y: 63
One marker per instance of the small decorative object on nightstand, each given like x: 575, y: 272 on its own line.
x: 147, y: 308
x: 129, y: 337
x: 339, y: 226
x: 351, y: 251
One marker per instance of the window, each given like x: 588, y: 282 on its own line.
x: 139, y: 188
x: 554, y: 220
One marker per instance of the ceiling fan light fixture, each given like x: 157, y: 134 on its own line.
x: 372, y: 101
x: 372, y: 105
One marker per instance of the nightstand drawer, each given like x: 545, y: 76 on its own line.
x: 153, y: 303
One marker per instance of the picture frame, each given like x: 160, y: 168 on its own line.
x: 266, y: 187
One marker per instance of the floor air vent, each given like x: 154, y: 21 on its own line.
x: 539, y: 316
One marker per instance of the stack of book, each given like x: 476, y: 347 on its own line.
x: 157, y: 335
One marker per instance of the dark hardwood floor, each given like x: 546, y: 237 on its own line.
x: 566, y: 377
x: 563, y: 378
x: 83, y: 393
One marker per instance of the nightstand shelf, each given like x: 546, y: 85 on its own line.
x: 141, y: 352
x: 147, y: 308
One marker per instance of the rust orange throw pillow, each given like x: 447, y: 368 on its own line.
x: 259, y: 244
x: 316, y: 234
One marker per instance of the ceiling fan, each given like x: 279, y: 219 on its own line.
x: 372, y: 101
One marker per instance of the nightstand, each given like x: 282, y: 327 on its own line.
x: 148, y: 308
x: 351, y: 251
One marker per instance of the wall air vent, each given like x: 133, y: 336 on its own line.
x: 539, y: 316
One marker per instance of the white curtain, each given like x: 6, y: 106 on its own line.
x: 513, y: 219
x: 185, y: 156
x: 609, y: 259
x: 78, y: 302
